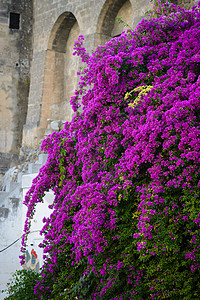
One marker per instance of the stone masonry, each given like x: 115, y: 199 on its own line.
x: 57, y: 25
x: 15, y: 58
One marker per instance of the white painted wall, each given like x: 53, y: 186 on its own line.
x: 11, y: 228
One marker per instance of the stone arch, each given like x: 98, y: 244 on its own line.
x: 60, y: 78
x: 107, y: 25
x: 126, y: 14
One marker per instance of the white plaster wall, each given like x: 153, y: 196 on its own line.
x: 42, y: 210
x: 12, y: 228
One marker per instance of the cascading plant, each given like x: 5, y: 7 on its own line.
x: 125, y: 171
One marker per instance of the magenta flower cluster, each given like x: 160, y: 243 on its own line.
x: 126, y: 215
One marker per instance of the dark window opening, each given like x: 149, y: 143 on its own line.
x: 14, y: 21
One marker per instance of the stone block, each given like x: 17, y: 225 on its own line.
x: 19, y: 177
x: 4, y: 213
x: 2, y: 33
x: 27, y: 180
x: 33, y: 168
x: 42, y: 158
x: 7, y: 160
x: 13, y: 186
x: 3, y: 197
x: 14, y: 204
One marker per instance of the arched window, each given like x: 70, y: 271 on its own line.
x: 60, y: 78
x: 108, y: 26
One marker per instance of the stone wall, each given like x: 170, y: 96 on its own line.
x: 53, y: 72
x: 184, y: 3
x: 15, y: 58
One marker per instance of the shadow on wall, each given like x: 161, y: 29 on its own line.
x: 108, y: 26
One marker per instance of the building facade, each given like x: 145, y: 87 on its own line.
x: 37, y: 78
x: 37, y: 68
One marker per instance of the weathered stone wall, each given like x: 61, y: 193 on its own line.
x: 15, y: 58
x: 187, y: 4
x: 53, y: 72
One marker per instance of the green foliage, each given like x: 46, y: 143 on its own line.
x: 123, y: 23
x: 22, y: 284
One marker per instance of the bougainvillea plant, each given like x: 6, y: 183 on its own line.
x: 125, y: 221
